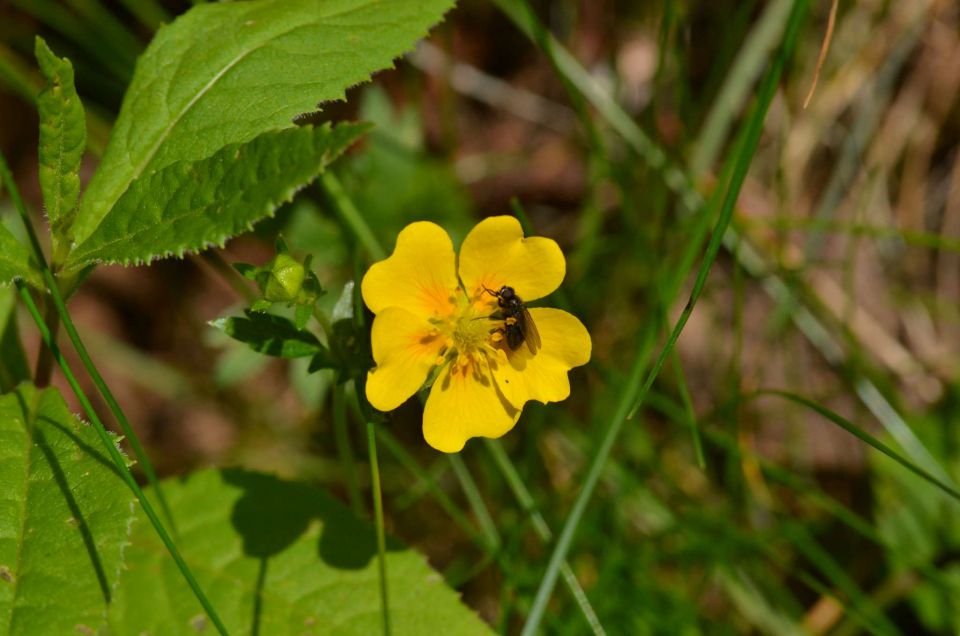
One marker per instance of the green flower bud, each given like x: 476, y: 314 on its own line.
x: 285, y: 281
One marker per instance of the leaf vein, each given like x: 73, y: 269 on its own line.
x: 28, y: 423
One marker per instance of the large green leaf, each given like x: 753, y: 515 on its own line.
x: 13, y: 361
x: 277, y: 558
x: 65, y: 517
x: 224, y: 73
x: 63, y: 137
x: 190, y: 205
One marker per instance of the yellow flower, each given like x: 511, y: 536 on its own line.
x: 430, y: 323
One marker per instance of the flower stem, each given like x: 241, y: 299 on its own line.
x: 117, y: 458
x: 378, y: 517
x: 215, y: 261
x: 344, y: 448
x: 406, y: 460
x: 351, y: 216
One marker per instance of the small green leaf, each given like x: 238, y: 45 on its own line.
x: 301, y: 316
x: 278, y: 558
x: 189, y: 206
x: 63, y: 137
x: 14, y: 368
x: 65, y: 518
x: 271, y: 335
x: 194, y: 93
x: 15, y: 261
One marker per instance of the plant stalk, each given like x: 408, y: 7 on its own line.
x: 44, y: 369
x: 48, y: 340
x: 378, y: 517
x: 117, y: 458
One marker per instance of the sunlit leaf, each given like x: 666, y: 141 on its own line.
x: 63, y: 137
x: 224, y: 73
x: 189, y: 206
x: 15, y: 261
x: 65, y: 516
x: 278, y: 558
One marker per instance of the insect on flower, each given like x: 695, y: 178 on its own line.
x: 518, y: 323
x: 462, y: 326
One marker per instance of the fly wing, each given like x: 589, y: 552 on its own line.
x: 530, y: 334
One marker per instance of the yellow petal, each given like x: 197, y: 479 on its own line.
x: 510, y: 381
x: 565, y: 344
x: 464, y: 402
x: 405, y: 348
x: 495, y: 254
x: 420, y: 276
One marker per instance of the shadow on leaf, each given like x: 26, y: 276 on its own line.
x: 272, y: 514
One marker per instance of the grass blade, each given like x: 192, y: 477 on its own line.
x: 630, y: 401
x: 863, y: 436
x: 527, y: 504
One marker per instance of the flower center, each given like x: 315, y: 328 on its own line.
x: 471, y: 332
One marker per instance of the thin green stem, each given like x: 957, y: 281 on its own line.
x: 53, y: 289
x: 407, y: 461
x: 751, y: 136
x: 117, y: 458
x: 44, y: 369
x: 47, y: 337
x: 565, y: 540
x: 341, y: 436
x: 688, y: 411
x: 215, y: 261
x: 378, y: 518
x: 351, y: 216
x: 108, y: 396
x: 529, y: 506
x: 475, y: 499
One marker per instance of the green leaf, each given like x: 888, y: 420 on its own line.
x: 14, y: 368
x: 65, y: 517
x: 193, y: 93
x: 271, y: 335
x: 15, y: 261
x: 189, y: 206
x: 63, y: 137
x: 278, y: 558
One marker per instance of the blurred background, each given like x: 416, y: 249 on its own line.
x: 719, y: 511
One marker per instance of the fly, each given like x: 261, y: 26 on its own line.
x: 518, y: 323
